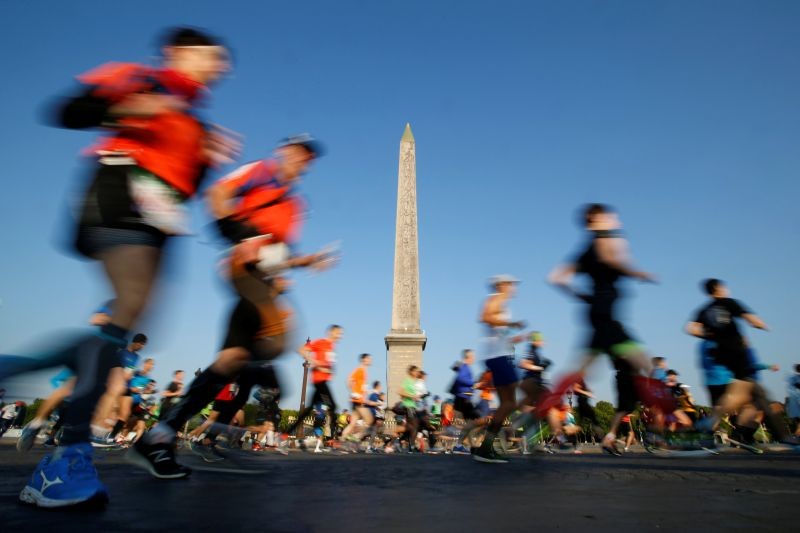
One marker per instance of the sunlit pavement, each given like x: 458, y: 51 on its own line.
x: 397, y: 492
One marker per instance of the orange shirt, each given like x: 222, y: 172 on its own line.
x: 448, y: 414
x: 170, y: 145
x: 358, y: 381
x: 264, y: 202
x: 487, y: 390
x: 323, y: 356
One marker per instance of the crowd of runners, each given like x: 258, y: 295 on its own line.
x: 153, y: 158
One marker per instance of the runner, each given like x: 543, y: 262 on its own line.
x: 716, y: 322
x: 258, y: 210
x: 499, y: 353
x: 155, y: 154
x: 63, y: 383
x: 118, y: 396
x: 377, y: 406
x: 409, y: 398
x: 462, y: 391
x: 605, y: 260
x: 172, y: 394
x: 321, y: 356
x: 357, y: 383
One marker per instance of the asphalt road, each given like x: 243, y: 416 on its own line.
x: 306, y: 492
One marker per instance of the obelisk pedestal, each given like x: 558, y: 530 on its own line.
x: 405, y: 340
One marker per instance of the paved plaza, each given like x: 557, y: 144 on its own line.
x: 307, y: 492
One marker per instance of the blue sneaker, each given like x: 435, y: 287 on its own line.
x: 68, y: 477
x: 461, y: 449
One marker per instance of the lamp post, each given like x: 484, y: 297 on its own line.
x: 301, y: 425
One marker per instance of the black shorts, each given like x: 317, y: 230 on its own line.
x: 108, y: 215
x: 322, y: 394
x: 626, y: 386
x: 607, y: 331
x: 256, y: 321
x: 716, y: 392
x: 534, y: 387
x: 733, y: 356
x: 466, y: 408
x: 221, y: 406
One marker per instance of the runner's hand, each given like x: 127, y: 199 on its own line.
x: 645, y: 277
x: 221, y: 146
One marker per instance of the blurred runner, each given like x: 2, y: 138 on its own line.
x: 321, y: 355
x: 716, y: 322
x: 499, y: 353
x: 258, y: 210
x: 606, y: 261
x: 151, y: 162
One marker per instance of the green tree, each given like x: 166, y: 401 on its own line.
x: 287, y: 416
x: 604, y: 411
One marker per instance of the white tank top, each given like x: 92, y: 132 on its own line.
x: 497, y: 339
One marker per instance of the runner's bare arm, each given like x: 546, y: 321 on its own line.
x: 696, y: 329
x: 755, y: 321
x: 614, y: 252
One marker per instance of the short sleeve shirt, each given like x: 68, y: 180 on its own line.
x: 718, y: 320
x: 410, y: 388
x: 323, y: 356
x: 359, y: 381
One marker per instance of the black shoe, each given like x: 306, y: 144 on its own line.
x: 488, y: 455
x: 158, y: 459
x: 208, y: 452
x: 611, y: 449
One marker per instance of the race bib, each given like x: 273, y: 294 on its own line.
x: 273, y: 257
x: 159, y: 204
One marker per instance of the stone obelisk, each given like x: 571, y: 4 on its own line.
x: 406, y: 340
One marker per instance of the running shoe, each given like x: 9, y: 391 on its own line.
x: 28, y: 437
x: 66, y: 478
x: 158, y: 459
x: 206, y: 452
x: 283, y: 446
x: 488, y: 456
x: 102, y: 442
x: 461, y: 450
x: 790, y: 444
x: 610, y: 447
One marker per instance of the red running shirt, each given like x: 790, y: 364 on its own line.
x: 324, y: 357
x: 264, y: 202
x: 170, y: 145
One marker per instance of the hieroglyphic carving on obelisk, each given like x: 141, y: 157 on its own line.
x: 406, y: 340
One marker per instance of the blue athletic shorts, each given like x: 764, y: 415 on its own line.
x: 503, y: 370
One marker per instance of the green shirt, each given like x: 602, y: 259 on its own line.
x: 410, y: 388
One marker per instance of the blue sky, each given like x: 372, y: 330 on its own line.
x: 681, y: 114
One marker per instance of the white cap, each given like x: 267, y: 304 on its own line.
x: 502, y: 278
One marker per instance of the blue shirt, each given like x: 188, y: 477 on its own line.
x: 659, y: 374
x: 130, y: 360
x: 138, y: 381
x: 59, y: 379
x: 462, y: 388
x: 713, y: 372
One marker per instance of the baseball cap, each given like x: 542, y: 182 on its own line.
x: 306, y: 141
